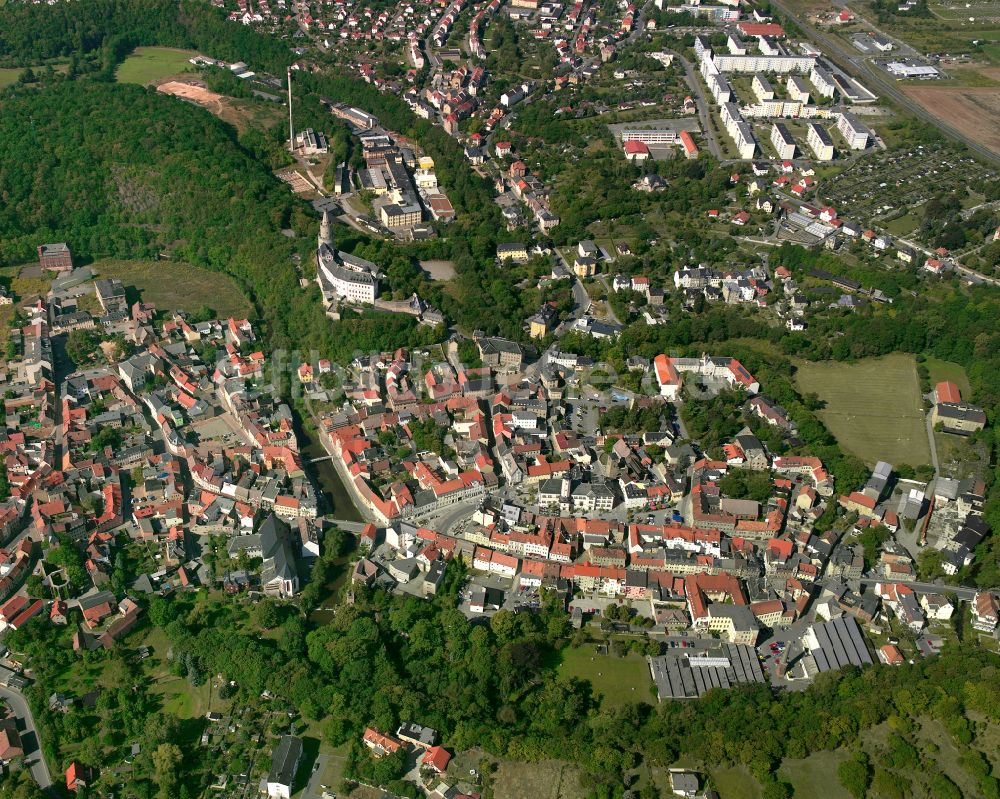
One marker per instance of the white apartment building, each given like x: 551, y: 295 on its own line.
x: 782, y: 140
x: 819, y: 141
x: 722, y: 92
x: 730, y: 114
x: 797, y: 89
x: 854, y: 131
x: 762, y: 88
x: 651, y: 137
x: 823, y: 81
x: 763, y: 63
x: 745, y: 141
x: 773, y: 108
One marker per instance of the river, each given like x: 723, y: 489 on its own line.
x: 335, y: 493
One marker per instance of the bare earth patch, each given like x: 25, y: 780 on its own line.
x: 439, y: 270
x: 190, y: 91
x: 975, y: 112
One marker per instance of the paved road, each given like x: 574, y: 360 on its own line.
x: 581, y: 298
x: 29, y: 737
x: 966, y: 594
x: 851, y: 63
x: 314, y: 789
x: 702, y: 105
x: 933, y: 444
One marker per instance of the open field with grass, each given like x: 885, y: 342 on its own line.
x: 947, y: 370
x: 873, y: 407
x: 618, y: 680
x: 816, y: 775
x: 735, y: 782
x: 9, y: 75
x: 439, y: 270
x: 150, y: 64
x: 903, y: 225
x: 173, y: 285
x: 178, y: 696
x: 549, y: 779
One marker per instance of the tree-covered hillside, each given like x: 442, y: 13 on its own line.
x: 31, y: 34
x: 121, y: 171
x: 98, y: 34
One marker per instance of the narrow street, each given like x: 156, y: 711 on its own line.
x: 33, y: 757
x: 933, y: 444
x: 702, y: 106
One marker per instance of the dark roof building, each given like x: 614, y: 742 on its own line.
x: 284, y: 764
x: 837, y: 643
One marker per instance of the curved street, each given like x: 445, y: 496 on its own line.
x: 33, y: 757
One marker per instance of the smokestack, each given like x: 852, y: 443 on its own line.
x: 291, y: 124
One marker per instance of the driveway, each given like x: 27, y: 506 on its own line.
x: 33, y: 757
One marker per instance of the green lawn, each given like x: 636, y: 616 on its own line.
x: 902, y: 225
x: 946, y: 370
x: 173, y: 285
x: 948, y: 754
x: 736, y: 782
x: 9, y: 75
x: 816, y: 775
x: 179, y: 697
x: 618, y: 680
x: 151, y: 64
x: 873, y: 407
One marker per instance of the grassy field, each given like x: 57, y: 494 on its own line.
x: 178, y: 696
x: 549, y: 779
x: 903, y: 225
x: 172, y: 285
x: 816, y: 775
x: 9, y: 76
x: 946, y: 370
x: 735, y: 782
x: 618, y: 680
x: 873, y: 407
x: 151, y: 64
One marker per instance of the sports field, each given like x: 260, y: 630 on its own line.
x: 618, y: 680
x: 172, y: 286
x: 150, y: 64
x: 873, y: 407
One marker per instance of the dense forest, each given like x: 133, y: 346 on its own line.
x: 120, y: 171
x: 32, y: 34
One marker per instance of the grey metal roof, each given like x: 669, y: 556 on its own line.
x: 285, y: 761
x: 685, y: 676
